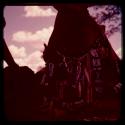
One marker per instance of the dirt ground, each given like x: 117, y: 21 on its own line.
x: 104, y: 110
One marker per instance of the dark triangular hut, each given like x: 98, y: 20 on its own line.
x: 79, y: 57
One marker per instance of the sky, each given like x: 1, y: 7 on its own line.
x: 29, y: 27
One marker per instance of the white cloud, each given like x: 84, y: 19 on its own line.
x: 40, y: 35
x: 37, y: 11
x: 20, y: 61
x: 33, y: 57
x: 38, y: 45
x: 33, y: 60
x: 17, y: 52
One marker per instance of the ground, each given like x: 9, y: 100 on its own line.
x: 104, y: 110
